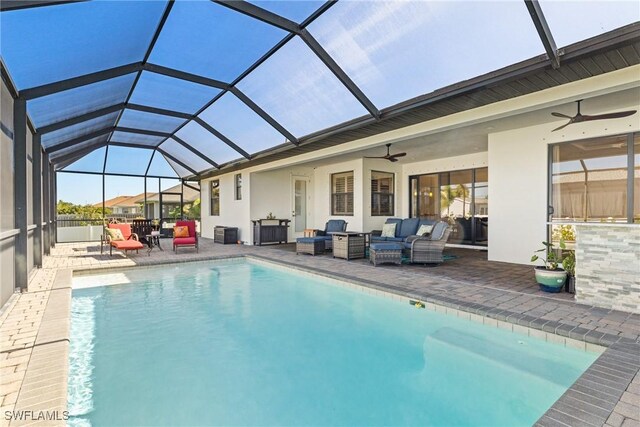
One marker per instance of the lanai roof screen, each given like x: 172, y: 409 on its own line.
x: 189, y: 86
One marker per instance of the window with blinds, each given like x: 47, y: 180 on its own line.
x: 238, y: 184
x: 215, y: 198
x: 382, y: 194
x: 342, y: 193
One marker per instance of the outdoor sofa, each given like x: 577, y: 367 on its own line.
x: 426, y: 249
x: 404, y: 228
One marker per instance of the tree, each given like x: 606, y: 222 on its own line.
x: 81, y: 211
x: 194, y: 210
x: 463, y: 191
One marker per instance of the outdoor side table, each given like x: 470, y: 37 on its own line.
x: 348, y: 245
x: 153, y: 241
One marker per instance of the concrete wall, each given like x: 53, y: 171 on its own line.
x: 608, y: 266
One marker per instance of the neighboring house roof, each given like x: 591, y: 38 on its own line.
x: 120, y: 201
x: 189, y: 195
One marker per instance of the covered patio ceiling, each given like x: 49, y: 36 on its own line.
x: 193, y: 88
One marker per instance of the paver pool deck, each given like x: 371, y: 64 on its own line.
x: 34, y: 325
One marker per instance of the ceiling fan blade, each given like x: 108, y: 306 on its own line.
x: 617, y: 115
x: 377, y: 157
x: 563, y: 126
x: 398, y: 155
x: 564, y: 116
x: 392, y: 159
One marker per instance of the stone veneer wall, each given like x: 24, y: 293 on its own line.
x: 608, y: 266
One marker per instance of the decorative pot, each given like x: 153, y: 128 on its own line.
x: 550, y: 280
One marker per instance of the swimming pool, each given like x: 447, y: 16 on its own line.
x: 244, y: 343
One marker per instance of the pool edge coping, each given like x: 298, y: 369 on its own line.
x: 606, y: 379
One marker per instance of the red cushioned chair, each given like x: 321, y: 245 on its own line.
x: 192, y: 240
x: 129, y: 243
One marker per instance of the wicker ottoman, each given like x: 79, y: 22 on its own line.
x: 385, y: 253
x: 310, y: 245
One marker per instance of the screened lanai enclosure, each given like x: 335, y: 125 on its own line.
x: 181, y: 90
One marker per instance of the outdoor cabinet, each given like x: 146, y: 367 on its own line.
x: 270, y: 231
x: 225, y: 235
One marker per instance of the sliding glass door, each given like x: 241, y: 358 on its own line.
x: 458, y: 197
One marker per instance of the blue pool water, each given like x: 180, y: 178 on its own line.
x: 242, y: 344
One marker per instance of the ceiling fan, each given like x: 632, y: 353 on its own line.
x: 579, y: 118
x: 388, y: 156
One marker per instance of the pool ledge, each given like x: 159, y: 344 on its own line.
x: 44, y: 387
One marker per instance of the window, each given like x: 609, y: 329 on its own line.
x: 382, y: 194
x: 590, y: 180
x: 215, y: 197
x: 342, y: 193
x: 238, y: 181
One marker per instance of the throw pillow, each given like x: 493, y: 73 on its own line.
x: 424, y: 230
x: 389, y: 230
x: 115, y: 234
x: 181, y: 231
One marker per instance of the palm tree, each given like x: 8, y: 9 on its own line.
x: 447, y: 197
x: 463, y: 191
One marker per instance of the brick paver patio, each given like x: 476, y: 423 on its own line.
x: 34, y: 327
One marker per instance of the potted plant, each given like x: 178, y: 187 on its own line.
x: 549, y: 276
x: 569, y: 265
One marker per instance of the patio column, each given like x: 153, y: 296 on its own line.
x: 20, y: 191
x: 36, y: 180
x: 46, y: 203
x: 54, y: 208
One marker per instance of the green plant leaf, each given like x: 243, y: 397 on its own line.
x: 534, y: 258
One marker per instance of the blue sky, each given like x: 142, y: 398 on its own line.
x: 393, y: 50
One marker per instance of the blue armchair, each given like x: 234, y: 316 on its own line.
x: 333, y: 225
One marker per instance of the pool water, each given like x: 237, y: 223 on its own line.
x: 243, y: 344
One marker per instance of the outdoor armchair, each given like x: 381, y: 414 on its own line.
x: 428, y: 249
x: 191, y: 240
x: 332, y: 226
x: 130, y: 242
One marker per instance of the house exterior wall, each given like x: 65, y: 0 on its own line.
x: 233, y: 213
x: 518, y: 162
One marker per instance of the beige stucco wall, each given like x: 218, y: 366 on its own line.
x: 518, y: 179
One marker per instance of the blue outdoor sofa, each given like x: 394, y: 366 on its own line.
x: 404, y: 228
